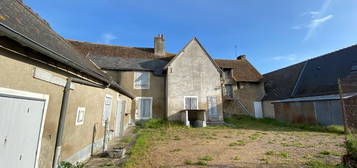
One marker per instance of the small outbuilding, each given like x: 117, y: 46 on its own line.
x: 308, y: 92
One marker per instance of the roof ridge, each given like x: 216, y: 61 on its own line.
x: 109, y: 45
x: 307, y: 60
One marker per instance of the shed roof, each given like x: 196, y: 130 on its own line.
x: 242, y: 70
x: 318, y: 77
x: 316, y: 98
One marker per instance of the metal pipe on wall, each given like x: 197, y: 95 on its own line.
x: 62, y: 117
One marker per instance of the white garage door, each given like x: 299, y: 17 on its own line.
x: 20, y: 129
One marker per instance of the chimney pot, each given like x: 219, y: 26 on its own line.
x: 241, y: 57
x: 159, y: 45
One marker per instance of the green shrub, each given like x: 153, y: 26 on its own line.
x: 206, y: 158
x: 319, y: 164
x: 157, y: 123
x: 65, y: 164
x: 189, y: 162
x: 351, y: 145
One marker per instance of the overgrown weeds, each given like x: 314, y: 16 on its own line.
x: 65, y: 164
x: 248, y: 122
x: 146, y: 131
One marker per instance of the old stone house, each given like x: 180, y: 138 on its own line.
x: 307, y: 92
x: 52, y: 98
x: 64, y: 100
x: 190, y: 85
x: 243, y: 87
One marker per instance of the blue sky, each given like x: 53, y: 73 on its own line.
x: 272, y: 33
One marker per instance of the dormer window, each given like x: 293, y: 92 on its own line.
x: 141, y: 80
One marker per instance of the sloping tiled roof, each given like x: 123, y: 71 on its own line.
x: 242, y: 69
x: 280, y: 84
x: 321, y: 73
x: 120, y: 63
x: 18, y: 22
x: 112, y: 50
x: 318, y: 77
x: 22, y: 20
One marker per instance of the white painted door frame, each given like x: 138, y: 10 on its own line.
x: 258, y: 111
x: 32, y: 96
x: 119, y: 125
x: 212, y: 107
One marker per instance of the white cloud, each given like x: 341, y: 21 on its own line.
x: 290, y: 57
x: 312, y: 14
x: 107, y: 38
x: 314, y: 24
x: 316, y: 20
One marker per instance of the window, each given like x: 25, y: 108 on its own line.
x: 227, y: 73
x: 141, y: 80
x: 80, y: 115
x: 190, y: 102
x: 107, y: 108
x: 229, y: 90
x: 144, y: 108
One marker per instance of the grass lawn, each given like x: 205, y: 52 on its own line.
x: 245, y: 142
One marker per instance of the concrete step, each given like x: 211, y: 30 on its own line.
x: 215, y: 123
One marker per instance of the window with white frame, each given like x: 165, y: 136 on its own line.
x: 144, y: 108
x: 80, y: 115
x: 107, y: 108
x: 190, y: 102
x: 141, y: 80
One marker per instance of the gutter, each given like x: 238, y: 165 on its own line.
x: 62, y: 117
x: 17, y: 36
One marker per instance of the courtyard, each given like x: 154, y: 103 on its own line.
x: 243, y: 142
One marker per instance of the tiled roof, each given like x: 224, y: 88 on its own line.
x: 318, y: 77
x: 242, y: 70
x: 112, y: 50
x: 280, y: 84
x: 22, y: 20
x: 138, y: 64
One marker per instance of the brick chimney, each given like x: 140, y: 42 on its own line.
x: 242, y: 57
x: 159, y: 45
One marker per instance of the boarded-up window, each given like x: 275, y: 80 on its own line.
x: 141, y: 80
x: 191, y: 102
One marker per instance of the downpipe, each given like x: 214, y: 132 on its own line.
x: 63, y: 112
x: 62, y: 120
